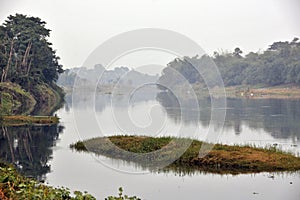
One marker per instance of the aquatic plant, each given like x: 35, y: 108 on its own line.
x: 122, y: 197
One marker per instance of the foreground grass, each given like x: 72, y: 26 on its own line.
x: 14, y: 186
x: 20, y: 120
x: 221, y: 159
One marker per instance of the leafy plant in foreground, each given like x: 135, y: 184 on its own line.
x: 15, y: 186
x: 122, y: 197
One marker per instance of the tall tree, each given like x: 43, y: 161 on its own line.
x: 26, y: 55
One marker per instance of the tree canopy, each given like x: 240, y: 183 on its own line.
x: 26, y: 55
x: 279, y: 64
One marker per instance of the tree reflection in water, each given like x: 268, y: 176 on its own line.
x: 279, y: 117
x: 29, y: 148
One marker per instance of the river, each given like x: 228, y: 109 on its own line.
x: 44, y: 153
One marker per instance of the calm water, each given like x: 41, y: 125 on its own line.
x: 43, y: 152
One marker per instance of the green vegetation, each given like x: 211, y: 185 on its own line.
x: 279, y: 64
x: 49, y: 98
x: 14, y: 186
x: 42, y: 99
x: 221, y: 159
x: 17, y: 187
x: 21, y: 120
x: 27, y: 57
x: 28, y: 67
x: 15, y: 99
x: 122, y: 197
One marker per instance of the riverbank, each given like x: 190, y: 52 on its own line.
x: 287, y: 91
x: 259, y: 92
x: 222, y: 159
x: 14, y: 99
x: 21, y: 120
x: 40, y: 99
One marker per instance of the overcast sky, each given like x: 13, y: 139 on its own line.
x: 79, y: 26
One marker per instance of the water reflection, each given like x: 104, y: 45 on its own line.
x: 182, y: 171
x: 29, y: 148
x: 279, y: 117
x: 82, y: 100
x: 80, y: 171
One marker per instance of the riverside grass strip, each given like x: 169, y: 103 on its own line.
x: 21, y: 120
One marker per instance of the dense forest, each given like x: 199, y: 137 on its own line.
x: 279, y: 64
x: 29, y: 66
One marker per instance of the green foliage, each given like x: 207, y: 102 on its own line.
x: 43, y: 99
x: 13, y: 99
x: 26, y: 56
x: 27, y: 59
x: 79, y: 146
x: 280, y: 64
x: 152, y: 144
x: 122, y: 197
x: 6, y: 103
x: 49, y: 98
x: 15, y: 186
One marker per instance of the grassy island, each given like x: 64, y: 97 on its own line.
x: 21, y: 120
x: 222, y: 159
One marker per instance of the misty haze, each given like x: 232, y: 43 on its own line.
x: 153, y: 99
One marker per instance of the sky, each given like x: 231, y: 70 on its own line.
x: 80, y: 26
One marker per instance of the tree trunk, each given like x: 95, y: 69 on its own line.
x: 29, y: 66
x: 16, y: 65
x: 26, y: 54
x: 4, y: 74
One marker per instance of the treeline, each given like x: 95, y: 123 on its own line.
x: 279, y: 64
x: 26, y: 55
x: 122, y: 76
